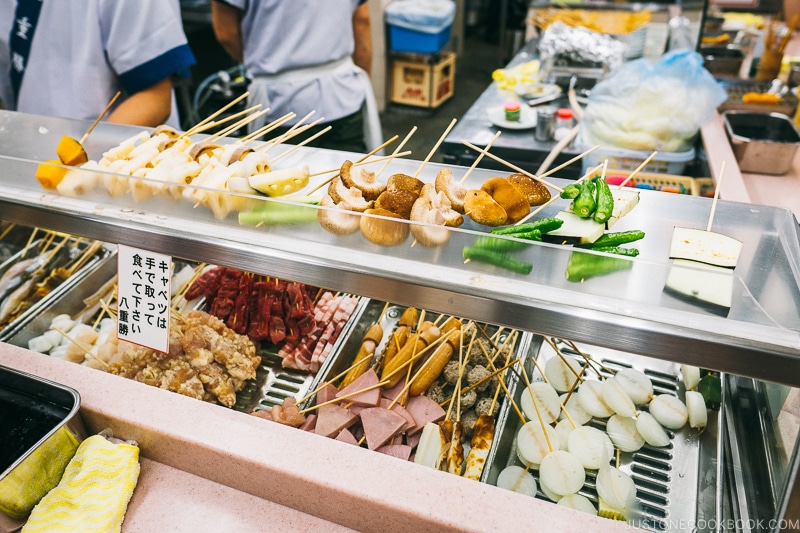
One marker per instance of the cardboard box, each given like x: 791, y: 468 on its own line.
x: 423, y: 81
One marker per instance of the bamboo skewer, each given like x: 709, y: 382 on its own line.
x: 360, y: 160
x: 716, y: 197
x: 376, y: 160
x: 555, y: 197
x: 435, y: 147
x: 235, y: 126
x: 30, y: 241
x: 229, y: 118
x: 480, y: 156
x: 99, y: 117
x: 263, y: 130
x: 5, y: 231
x: 292, y: 133
x: 536, y: 406
x: 512, y: 166
x: 568, y: 163
x: 82, y: 347
x: 638, y: 169
x: 344, y: 396
x: 214, y: 115
x: 396, y: 150
x: 320, y: 133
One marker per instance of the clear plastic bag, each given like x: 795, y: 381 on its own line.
x: 652, y: 106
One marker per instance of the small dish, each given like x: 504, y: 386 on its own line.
x: 536, y: 90
x: 527, y: 118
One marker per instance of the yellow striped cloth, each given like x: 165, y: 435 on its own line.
x: 94, y: 492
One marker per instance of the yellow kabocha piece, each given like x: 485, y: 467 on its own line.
x: 71, y: 152
x: 94, y: 492
x: 761, y: 98
x: 50, y: 173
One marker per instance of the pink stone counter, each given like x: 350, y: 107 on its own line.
x: 207, y: 468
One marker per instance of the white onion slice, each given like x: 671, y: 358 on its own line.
x: 562, y: 472
x: 546, y: 400
x: 591, y: 396
x: 575, y: 409
x: 532, y: 445
x: 617, y: 398
x: 636, y: 383
x: 651, y: 431
x: 623, y: 433
x: 517, y: 479
x: 591, y: 446
x: 696, y: 405
x: 691, y: 376
x: 617, y: 490
x: 579, y: 503
x: 561, y: 372
x: 563, y: 429
x: 669, y: 411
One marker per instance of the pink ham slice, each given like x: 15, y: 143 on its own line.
x: 380, y: 425
x: 424, y: 410
x: 310, y: 423
x: 395, y: 391
x: 411, y: 424
x: 413, y: 440
x: 333, y: 418
x: 345, y: 436
x: 365, y: 380
x: 326, y: 394
x: 401, y: 451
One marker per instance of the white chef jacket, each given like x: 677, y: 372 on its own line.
x: 281, y: 37
x: 84, y: 51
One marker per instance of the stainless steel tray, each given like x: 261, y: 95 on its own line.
x: 668, y: 479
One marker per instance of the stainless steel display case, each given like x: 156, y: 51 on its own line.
x: 627, y: 310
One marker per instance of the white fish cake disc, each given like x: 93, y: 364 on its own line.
x: 546, y: 400
x: 575, y: 409
x: 591, y: 396
x: 532, y: 444
x: 591, y: 446
x: 669, y: 410
x: 562, y: 472
x: 563, y: 429
x: 549, y: 494
x: 617, y: 398
x: 651, y: 431
x: 561, y: 372
x: 517, y: 479
x: 579, y: 503
x: 623, y: 433
x: 636, y: 383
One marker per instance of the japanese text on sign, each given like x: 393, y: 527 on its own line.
x: 143, y: 295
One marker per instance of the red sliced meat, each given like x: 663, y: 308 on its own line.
x: 424, y: 410
x: 345, y: 436
x: 333, y: 418
x: 369, y: 397
x: 380, y: 425
x: 277, y: 329
x: 401, y: 451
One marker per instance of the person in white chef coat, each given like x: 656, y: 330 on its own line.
x: 68, y: 58
x: 306, y: 55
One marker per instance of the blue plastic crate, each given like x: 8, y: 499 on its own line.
x: 407, y: 40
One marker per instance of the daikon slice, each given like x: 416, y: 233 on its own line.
x: 623, y: 433
x: 591, y: 397
x: 616, y: 398
x: 562, y: 372
x: 651, y: 431
x: 546, y: 400
x: 563, y: 429
x: 578, y: 502
x: 669, y: 411
x: 562, y: 472
x: 533, y: 443
x: 691, y: 376
x: 636, y: 384
x: 616, y: 489
x: 696, y: 405
x: 517, y: 479
x: 575, y: 409
x: 591, y: 446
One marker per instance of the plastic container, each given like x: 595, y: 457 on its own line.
x: 420, y: 26
x: 564, y: 123
x: 622, y: 159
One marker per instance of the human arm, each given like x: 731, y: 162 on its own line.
x: 362, y: 52
x: 225, y: 21
x: 148, y: 107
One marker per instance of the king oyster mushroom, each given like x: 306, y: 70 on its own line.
x: 433, y: 209
x: 363, y: 180
x: 454, y: 191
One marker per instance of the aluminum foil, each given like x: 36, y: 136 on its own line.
x: 580, y: 45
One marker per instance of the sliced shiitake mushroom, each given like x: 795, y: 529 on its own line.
x: 454, y: 191
x: 404, y: 182
x: 509, y: 197
x: 398, y: 201
x: 361, y: 179
x: 336, y: 219
x: 382, y: 231
x: 533, y: 190
x: 433, y: 209
x: 351, y: 196
x: 481, y: 207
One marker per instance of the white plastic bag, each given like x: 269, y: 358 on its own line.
x: 426, y: 16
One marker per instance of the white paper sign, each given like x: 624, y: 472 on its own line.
x: 143, y: 297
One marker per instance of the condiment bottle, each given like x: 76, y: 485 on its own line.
x: 563, y: 123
